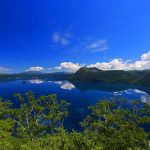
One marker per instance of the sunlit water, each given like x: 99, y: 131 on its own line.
x: 80, y: 95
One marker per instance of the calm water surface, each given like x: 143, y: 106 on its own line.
x: 80, y: 95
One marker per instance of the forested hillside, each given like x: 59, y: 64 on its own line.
x: 112, y: 76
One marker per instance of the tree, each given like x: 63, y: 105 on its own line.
x: 38, y: 116
x: 117, y: 127
x: 7, y: 141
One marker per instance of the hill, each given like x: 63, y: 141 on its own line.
x: 31, y: 72
x: 112, y: 76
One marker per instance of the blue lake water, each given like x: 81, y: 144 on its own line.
x: 80, y: 95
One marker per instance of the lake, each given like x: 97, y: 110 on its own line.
x: 80, y: 95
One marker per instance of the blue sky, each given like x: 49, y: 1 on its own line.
x: 63, y: 35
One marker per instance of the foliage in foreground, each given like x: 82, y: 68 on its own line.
x: 38, y: 124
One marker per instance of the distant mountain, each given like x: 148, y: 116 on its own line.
x: 32, y: 72
x: 36, y: 75
x: 112, y: 76
x: 62, y: 73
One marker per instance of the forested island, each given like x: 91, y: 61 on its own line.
x: 38, y: 123
x: 141, y: 77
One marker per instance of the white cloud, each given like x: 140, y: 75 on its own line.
x: 35, y: 68
x: 115, y: 64
x: 119, y: 64
x: 69, y: 66
x: 97, y: 46
x: 60, y: 39
x: 146, y: 56
x: 107, y: 65
x: 3, y: 69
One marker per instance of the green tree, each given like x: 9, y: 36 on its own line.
x: 39, y: 116
x: 7, y: 141
x: 117, y: 127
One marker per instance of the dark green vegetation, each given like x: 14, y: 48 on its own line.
x: 113, y: 76
x: 37, y: 123
x: 87, y: 74
x: 26, y: 76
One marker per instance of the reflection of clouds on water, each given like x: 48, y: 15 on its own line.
x: 36, y: 81
x: 144, y: 97
x: 129, y: 93
x: 64, y: 85
x: 67, y: 86
x: 58, y: 82
x: 138, y: 91
x: 119, y: 93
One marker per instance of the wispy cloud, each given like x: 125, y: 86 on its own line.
x: 97, y: 46
x: 75, y: 43
x: 61, y: 39
x: 91, y: 45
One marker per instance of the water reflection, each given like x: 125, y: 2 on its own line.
x: 118, y: 90
x: 64, y: 85
x: 67, y: 86
x: 36, y: 81
x: 145, y: 99
x: 128, y: 91
x: 143, y: 96
x: 58, y: 82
